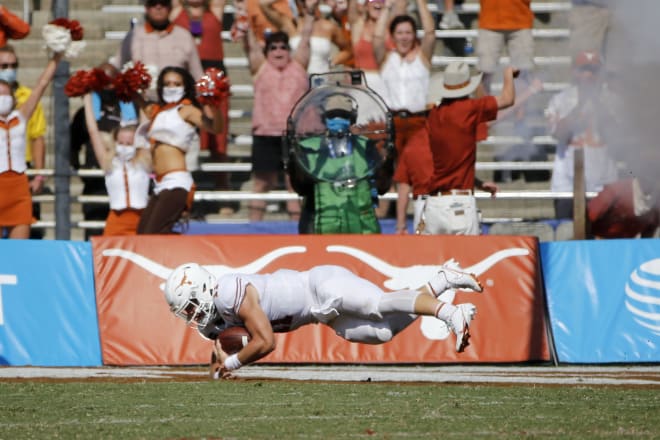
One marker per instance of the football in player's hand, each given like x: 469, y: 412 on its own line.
x: 233, y: 339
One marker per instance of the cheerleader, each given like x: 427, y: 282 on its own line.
x: 127, y: 164
x: 175, y: 120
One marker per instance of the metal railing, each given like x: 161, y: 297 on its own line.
x: 284, y: 196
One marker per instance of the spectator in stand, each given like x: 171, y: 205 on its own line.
x: 35, y: 144
x: 159, y: 43
x: 339, y: 13
x: 450, y: 18
x: 11, y: 26
x: 505, y: 24
x: 325, y: 33
x: 627, y: 208
x: 280, y: 79
x: 363, y: 25
x: 578, y: 117
x: 16, y: 203
x: 127, y: 166
x: 175, y: 120
x: 109, y: 113
x: 589, y: 21
x: 406, y: 69
x: 203, y: 18
x: 450, y: 207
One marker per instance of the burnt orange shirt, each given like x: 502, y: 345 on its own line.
x: 505, y: 15
x: 453, y: 138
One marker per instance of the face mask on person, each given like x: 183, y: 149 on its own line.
x: 6, y: 104
x: 8, y: 75
x: 125, y: 152
x: 173, y: 94
x: 337, y: 125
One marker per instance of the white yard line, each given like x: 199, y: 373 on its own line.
x: 569, y: 375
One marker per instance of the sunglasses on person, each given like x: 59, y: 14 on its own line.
x: 276, y: 46
x: 5, y: 66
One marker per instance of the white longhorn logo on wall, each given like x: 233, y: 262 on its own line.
x: 404, y: 277
x: 643, y: 295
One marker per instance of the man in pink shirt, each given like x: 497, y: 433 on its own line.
x: 280, y: 79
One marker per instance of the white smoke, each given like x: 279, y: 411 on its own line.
x: 631, y: 57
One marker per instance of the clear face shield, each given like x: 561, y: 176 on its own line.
x: 340, y: 131
x: 195, y: 313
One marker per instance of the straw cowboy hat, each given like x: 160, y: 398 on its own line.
x: 457, y: 82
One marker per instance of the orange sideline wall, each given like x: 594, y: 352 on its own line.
x: 136, y: 327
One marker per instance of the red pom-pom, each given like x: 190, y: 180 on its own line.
x: 76, y: 30
x: 128, y: 83
x: 85, y: 81
x: 212, y: 88
x: 98, y: 79
x: 76, y: 85
x: 74, y: 27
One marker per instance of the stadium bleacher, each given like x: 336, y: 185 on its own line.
x: 106, y: 22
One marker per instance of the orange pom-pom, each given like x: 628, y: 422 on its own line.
x: 212, y: 88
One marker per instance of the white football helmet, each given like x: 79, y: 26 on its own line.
x: 189, y: 291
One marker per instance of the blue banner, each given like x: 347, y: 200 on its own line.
x: 387, y: 226
x: 47, y: 304
x: 604, y: 299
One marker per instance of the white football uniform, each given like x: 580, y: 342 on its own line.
x: 355, y: 308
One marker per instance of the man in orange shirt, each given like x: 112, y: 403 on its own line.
x: 505, y: 23
x: 450, y: 206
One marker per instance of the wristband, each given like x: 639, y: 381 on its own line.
x: 232, y: 363
x: 39, y: 178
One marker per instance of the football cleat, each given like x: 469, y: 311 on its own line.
x: 460, y: 280
x: 459, y: 323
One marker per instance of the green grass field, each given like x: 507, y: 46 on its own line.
x: 290, y: 410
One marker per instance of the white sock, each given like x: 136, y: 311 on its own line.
x: 444, y: 311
